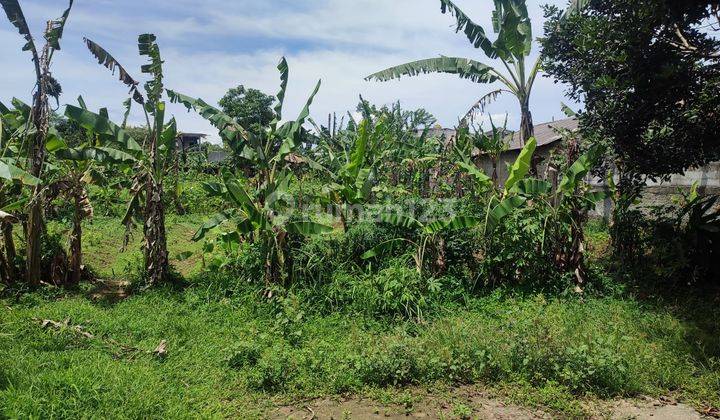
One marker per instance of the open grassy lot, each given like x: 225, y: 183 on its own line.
x: 232, y: 353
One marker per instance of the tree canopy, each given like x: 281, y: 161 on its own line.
x: 250, y: 107
x: 648, y: 72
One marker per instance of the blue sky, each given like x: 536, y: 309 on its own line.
x: 210, y: 46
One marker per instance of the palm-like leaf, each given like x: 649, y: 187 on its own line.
x: 579, y: 170
x: 463, y: 67
x: 284, y: 70
x: 103, y: 127
x: 382, y: 249
x: 147, y: 46
x: 112, y: 64
x: 11, y: 172
x: 482, y: 180
x: 55, y: 31
x: 474, y: 32
x: 307, y: 228
x: 229, y: 129
x: 521, y: 167
x: 17, y: 18
x: 502, y: 210
x: 400, y: 220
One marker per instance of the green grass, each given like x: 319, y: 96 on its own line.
x: 235, y: 356
x: 232, y: 353
x: 104, y: 255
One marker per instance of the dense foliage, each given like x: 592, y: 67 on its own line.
x: 648, y: 73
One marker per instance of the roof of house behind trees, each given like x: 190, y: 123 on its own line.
x: 545, y: 133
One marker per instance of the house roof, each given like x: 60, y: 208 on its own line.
x: 545, y: 133
x: 193, y: 135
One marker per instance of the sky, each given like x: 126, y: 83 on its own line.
x: 210, y: 46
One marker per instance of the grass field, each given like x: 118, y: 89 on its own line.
x: 235, y: 354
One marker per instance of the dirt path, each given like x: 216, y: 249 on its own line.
x: 471, y: 403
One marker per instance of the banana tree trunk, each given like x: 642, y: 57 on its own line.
x: 10, y: 252
x: 157, y: 263
x: 156, y: 254
x: 41, y: 120
x: 76, y: 242
x: 527, y: 130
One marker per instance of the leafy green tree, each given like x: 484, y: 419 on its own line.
x: 251, y: 108
x: 648, y: 74
x: 46, y: 86
x: 512, y: 46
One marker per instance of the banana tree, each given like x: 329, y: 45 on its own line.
x: 270, y: 152
x: 13, y: 126
x: 74, y: 169
x: 352, y: 183
x: 428, y: 243
x: 504, y: 202
x: 256, y: 219
x: 569, y: 204
x: 491, y: 144
x: 46, y: 86
x: 157, y: 151
x: 512, y: 46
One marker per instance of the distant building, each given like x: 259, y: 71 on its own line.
x: 548, y: 138
x: 188, y: 142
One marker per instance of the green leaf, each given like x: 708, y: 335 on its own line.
x: 502, y: 210
x: 13, y: 173
x: 97, y: 154
x: 54, y: 142
x: 483, y: 180
x: 17, y: 18
x: 567, y: 110
x: 308, y: 228
x: 461, y: 222
x: 147, y: 46
x: 229, y: 129
x: 578, y: 170
x: 284, y: 73
x: 113, y: 65
x: 382, y: 249
x: 56, y: 28
x: 532, y: 187
x: 183, y: 256
x: 214, y: 221
x: 400, y: 220
x: 357, y: 158
x: 463, y: 67
x: 474, y: 32
x: 103, y: 127
x: 522, y: 164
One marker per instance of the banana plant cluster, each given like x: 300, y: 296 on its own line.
x: 258, y: 201
x: 500, y: 205
x: 152, y: 159
x: 352, y: 183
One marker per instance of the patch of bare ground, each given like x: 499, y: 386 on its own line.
x: 471, y: 402
x: 109, y: 290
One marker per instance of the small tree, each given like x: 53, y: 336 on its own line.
x: 158, y: 149
x: 46, y: 86
x: 269, y: 152
x: 512, y: 46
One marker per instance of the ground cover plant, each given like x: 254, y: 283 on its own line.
x: 365, y: 258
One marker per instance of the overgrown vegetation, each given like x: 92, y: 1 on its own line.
x: 365, y: 256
